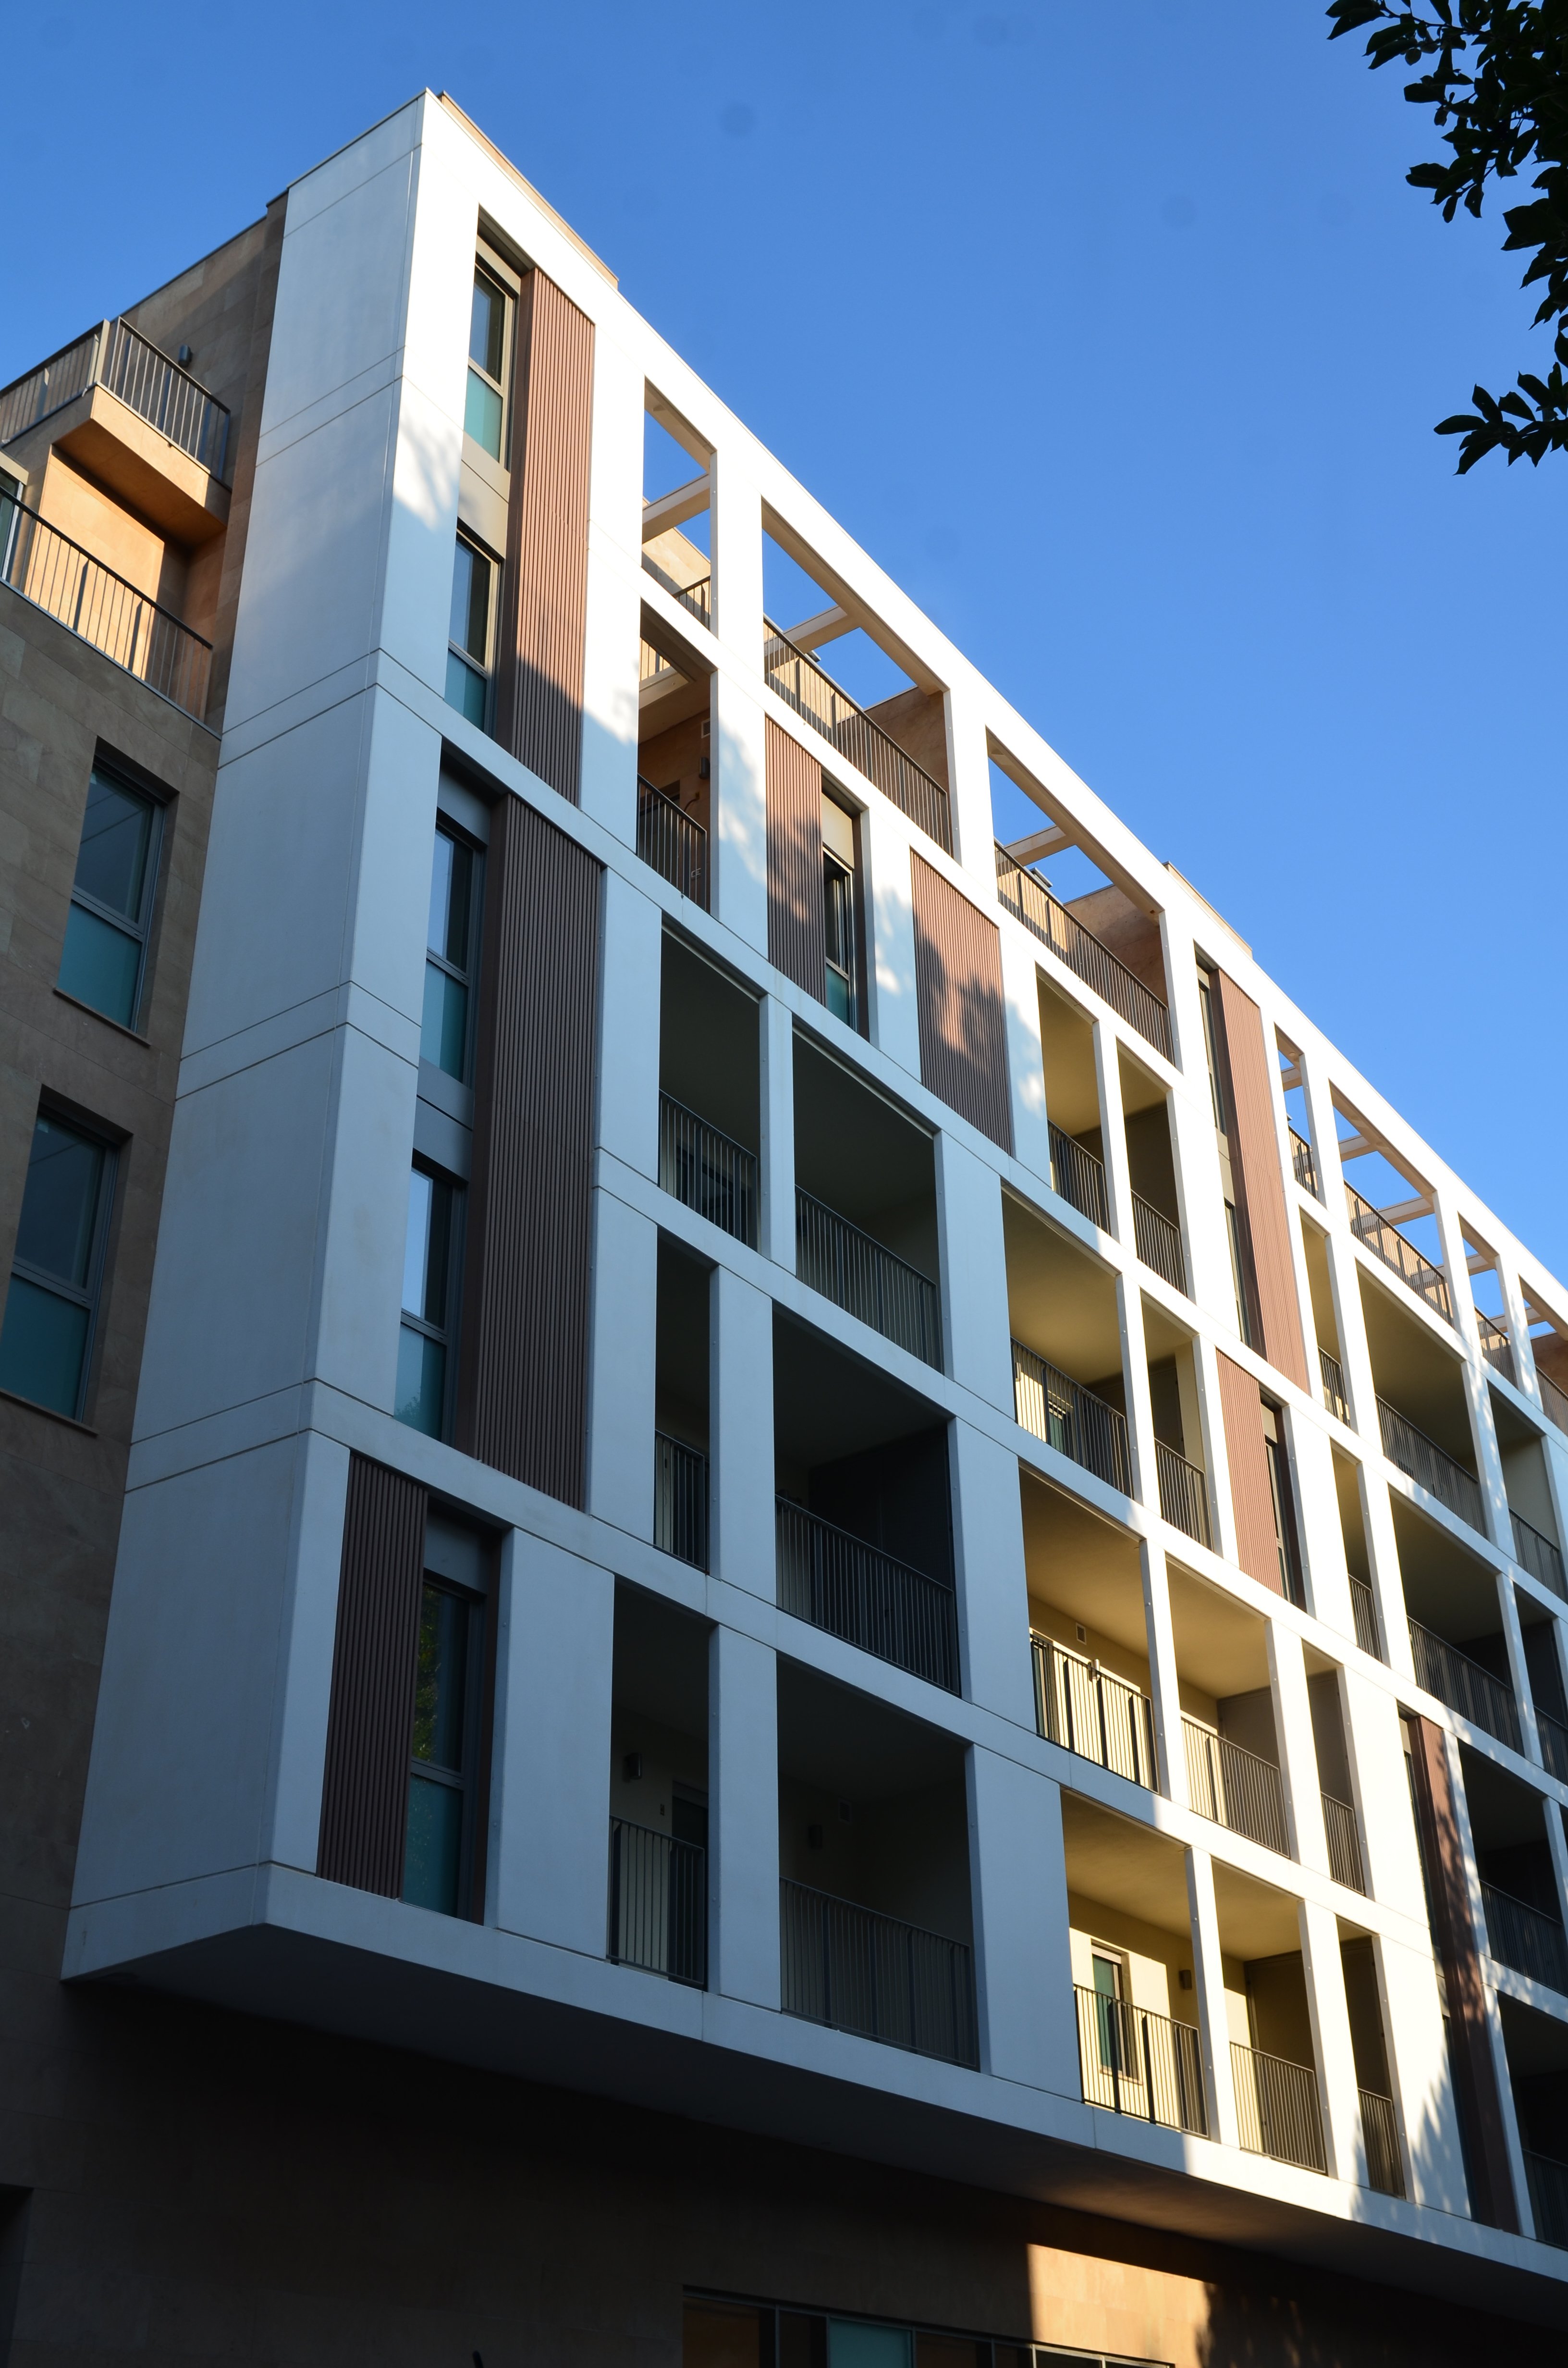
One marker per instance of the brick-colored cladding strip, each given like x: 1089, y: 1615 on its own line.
x: 957, y: 993
x: 364, y: 1814
x: 1255, y: 1154
x: 797, y: 941
x: 1257, y: 1545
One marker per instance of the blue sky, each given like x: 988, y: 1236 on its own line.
x: 1112, y: 332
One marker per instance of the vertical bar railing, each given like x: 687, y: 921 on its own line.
x: 658, y: 1903
x: 1539, y: 1555
x: 1278, y: 2110
x: 1364, y: 1612
x: 1554, y: 1743
x: 1134, y: 2061
x: 1344, y: 1838
x: 1464, y: 1685
x: 1386, y: 1242
x: 697, y: 598
x: 680, y: 1500
x: 1051, y: 1407
x: 706, y: 1171
x: 1079, y: 1178
x: 1496, y: 1345
x: 1233, y: 1787
x: 1333, y: 1396
x: 1303, y: 1167
x: 851, y: 1589
x: 1184, y: 1494
x: 142, y: 377
x: 1089, y: 1711
x: 69, y: 585
x: 856, y: 1970
x: 865, y: 1280
x: 1380, y: 2131
x: 1553, y: 1400
x: 1548, y: 2183
x: 1521, y: 1936
x: 671, y: 843
x: 801, y: 684
x: 1430, y: 1466
x: 1030, y: 901
x: 1158, y: 1243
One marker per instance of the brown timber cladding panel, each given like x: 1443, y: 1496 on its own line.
x: 364, y: 1813
x: 544, y: 595
x: 797, y: 942
x: 958, y: 993
x: 523, y: 1397
x: 1257, y: 1546
x: 1475, y: 2071
x: 1254, y: 1152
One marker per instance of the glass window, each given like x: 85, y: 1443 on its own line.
x: 838, y: 914
x: 51, y: 1303
x: 485, y: 409
x: 439, y: 1751
x: 851, y: 2345
x: 469, y: 633
x: 1284, y: 1514
x: 1238, y: 1274
x: 451, y: 946
x: 111, y: 897
x: 430, y: 1263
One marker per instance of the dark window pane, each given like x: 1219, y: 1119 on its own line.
x: 849, y: 2345
x: 475, y: 637
x: 111, y: 863
x: 483, y: 416
x: 433, y: 1847
x: 441, y: 1678
x: 487, y: 326
x: 451, y: 889
x: 420, y: 1382
x: 462, y: 592
x: 443, y: 1035
x: 465, y: 690
x: 100, y: 964
x: 42, y: 1346
x: 60, y: 1205
x: 427, y: 1246
x: 722, y: 2335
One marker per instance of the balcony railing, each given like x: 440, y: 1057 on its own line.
x: 1554, y: 1743
x: 1386, y: 1242
x: 117, y: 356
x: 1158, y: 1243
x: 1539, y: 1555
x: 697, y: 598
x: 1464, y: 1685
x: 1184, y: 1494
x: 1054, y: 1407
x: 1553, y: 1400
x: 658, y: 1903
x: 671, y: 843
x: 1343, y: 1844
x: 706, y: 1171
x: 847, y: 1966
x: 1548, y: 2183
x: 1496, y: 1345
x: 801, y: 684
x: 1086, y: 1710
x: 1079, y: 1178
x: 1234, y: 1788
x: 1278, y: 2110
x: 1430, y: 1466
x: 1521, y: 1936
x: 79, y: 592
x: 854, y: 1591
x: 858, y: 1274
x: 1136, y: 2062
x: 1031, y: 901
x: 1303, y: 1167
x: 1364, y: 1612
x: 1380, y: 2132
x: 680, y: 1500
x: 1333, y: 1396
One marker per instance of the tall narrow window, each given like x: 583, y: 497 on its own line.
x: 484, y: 412
x: 1211, y: 1049
x: 470, y: 632
x: 1238, y: 1273
x: 432, y: 1256
x: 451, y: 944
x: 842, y: 995
x: 436, y: 1854
x: 1279, y: 1489
x: 52, y: 1306
x: 104, y: 962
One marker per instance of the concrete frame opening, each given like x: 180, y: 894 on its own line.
x: 658, y: 1789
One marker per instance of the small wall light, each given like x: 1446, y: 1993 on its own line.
x: 1184, y: 1979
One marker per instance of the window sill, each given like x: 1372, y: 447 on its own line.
x: 11, y: 1397
x: 119, y: 1028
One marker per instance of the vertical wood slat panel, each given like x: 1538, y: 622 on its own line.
x: 797, y: 936
x: 1474, y: 2067
x: 544, y: 593
x: 1254, y: 1152
x: 364, y: 1813
x: 523, y: 1394
x: 957, y: 993
x: 1257, y: 1547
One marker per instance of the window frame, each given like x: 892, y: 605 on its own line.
x: 483, y: 671
x: 466, y: 1779
x: 445, y: 1335
x: 1286, y: 1522
x: 485, y: 268
x: 90, y: 1294
x: 446, y: 827
x: 141, y: 927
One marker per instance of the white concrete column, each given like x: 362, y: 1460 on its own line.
x: 1325, y: 1974
x: 992, y: 1580
x: 889, y: 958
x: 735, y: 543
x: 1113, y: 1135
x: 1322, y: 1538
x: 1518, y: 1668
x: 627, y: 1125
x: 614, y: 592
x: 740, y: 1431
x: 743, y: 1817
x: 1135, y: 1381
x: 1164, y: 1684
x: 621, y: 1351
x: 1200, y: 1196
x: 1478, y: 1396
x: 778, y: 1164
x: 1018, y: 1891
x: 1416, y: 2043
x: 308, y: 1632
x: 1026, y: 1064
x: 1374, y: 1745
x: 1298, y: 1747
x: 1213, y: 2031
x: 738, y: 841
x: 975, y: 1328
x: 969, y: 784
x: 1216, y: 1451
x: 550, y: 1782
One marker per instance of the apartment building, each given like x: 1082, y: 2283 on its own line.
x: 773, y: 1594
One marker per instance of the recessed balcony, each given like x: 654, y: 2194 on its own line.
x: 1088, y: 1709
x: 1135, y: 2061
x: 672, y: 842
x: 657, y: 1906
x: 103, y: 608
x: 1385, y: 1241
x: 802, y: 685
x: 865, y: 1204
x: 1030, y: 901
x: 1130, y: 1942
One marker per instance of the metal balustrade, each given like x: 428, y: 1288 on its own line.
x: 854, y: 1591
x: 1158, y: 1243
x: 706, y: 1171
x: 1554, y: 1401
x: 1233, y: 1787
x: 1519, y: 1936
x: 672, y: 843
x: 1086, y: 1710
x: 1079, y: 1178
x: 1364, y: 1612
x: 847, y: 1966
x: 1343, y: 1844
x: 1031, y: 901
x: 1184, y: 1494
x: 1554, y: 1743
x: 1134, y: 2061
x: 1496, y: 1345
x: 1548, y: 2182
x: 1055, y: 1408
x: 1303, y: 1166
x: 680, y: 1500
x: 145, y: 379
x: 1464, y: 1685
x: 1333, y: 1396
x: 80, y: 593
x: 865, y: 1280
x: 801, y: 684
x: 658, y: 1903
x: 1539, y: 1555
x: 697, y: 598
x: 1379, y: 2133
x: 1430, y: 1466
x: 1278, y: 2110
x: 1386, y: 1242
